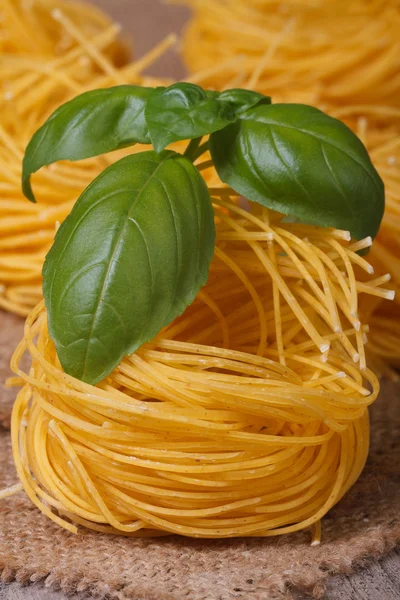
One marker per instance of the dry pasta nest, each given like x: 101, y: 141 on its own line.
x: 324, y: 51
x: 246, y: 416
x: 341, y: 56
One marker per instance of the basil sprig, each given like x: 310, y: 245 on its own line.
x: 136, y: 248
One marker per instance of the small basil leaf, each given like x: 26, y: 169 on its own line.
x: 129, y: 258
x: 93, y: 123
x: 241, y: 100
x: 184, y: 111
x: 297, y: 160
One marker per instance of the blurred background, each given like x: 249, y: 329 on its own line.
x: 146, y: 22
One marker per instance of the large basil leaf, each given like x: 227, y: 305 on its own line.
x: 93, y: 123
x: 297, y: 160
x: 129, y: 258
x: 184, y: 111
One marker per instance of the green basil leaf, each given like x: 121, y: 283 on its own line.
x: 184, y: 111
x: 130, y: 257
x: 241, y: 100
x: 93, y: 123
x: 297, y: 160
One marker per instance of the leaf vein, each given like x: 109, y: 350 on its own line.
x: 322, y: 138
x: 114, y: 251
x: 289, y: 170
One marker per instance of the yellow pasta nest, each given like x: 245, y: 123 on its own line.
x: 341, y: 56
x: 50, y: 51
x: 313, y: 51
x: 245, y: 416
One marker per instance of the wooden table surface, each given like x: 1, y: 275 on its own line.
x: 147, y: 22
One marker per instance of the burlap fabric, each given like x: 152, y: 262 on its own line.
x: 364, y: 525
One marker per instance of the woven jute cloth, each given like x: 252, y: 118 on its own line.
x: 365, y: 524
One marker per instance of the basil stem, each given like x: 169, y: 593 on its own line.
x: 191, y: 148
x: 194, y: 149
x: 201, y: 150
